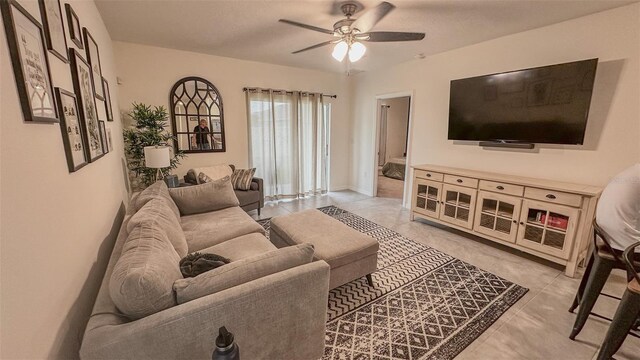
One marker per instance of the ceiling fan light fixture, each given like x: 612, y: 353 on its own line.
x: 340, y: 50
x: 356, y: 51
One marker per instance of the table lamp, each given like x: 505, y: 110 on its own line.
x: 157, y: 157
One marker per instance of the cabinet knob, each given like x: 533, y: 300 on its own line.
x: 500, y: 187
x: 515, y: 221
x: 521, y: 223
x: 459, y: 180
x: 428, y: 175
x: 551, y: 196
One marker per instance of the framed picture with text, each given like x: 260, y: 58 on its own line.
x: 51, y: 12
x: 30, y: 63
x: 71, y: 130
x: 93, y: 57
x: 74, y: 26
x: 83, y: 87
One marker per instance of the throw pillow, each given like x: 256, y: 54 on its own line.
x: 242, y: 271
x: 198, y: 263
x: 241, y: 178
x: 156, y: 213
x: 212, y: 196
x: 142, y: 278
x: 203, y: 178
x: 215, y: 172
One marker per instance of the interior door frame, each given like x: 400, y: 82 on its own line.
x: 408, y: 179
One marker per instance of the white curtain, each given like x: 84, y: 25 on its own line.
x: 287, y: 142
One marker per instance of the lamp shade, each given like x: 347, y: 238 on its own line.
x: 157, y: 157
x: 340, y: 50
x: 356, y: 51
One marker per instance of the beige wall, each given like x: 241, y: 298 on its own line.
x: 614, y: 121
x: 397, y: 121
x: 57, y: 228
x: 148, y: 73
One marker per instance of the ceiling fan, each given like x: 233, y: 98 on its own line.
x: 350, y: 33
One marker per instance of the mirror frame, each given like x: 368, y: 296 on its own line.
x: 173, y: 103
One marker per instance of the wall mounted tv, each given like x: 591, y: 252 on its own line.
x: 548, y: 105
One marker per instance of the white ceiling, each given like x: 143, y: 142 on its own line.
x: 249, y: 29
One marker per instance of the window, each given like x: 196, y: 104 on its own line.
x: 197, y: 117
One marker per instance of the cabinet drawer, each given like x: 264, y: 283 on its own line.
x: 461, y: 180
x: 502, y: 188
x: 556, y: 197
x: 429, y: 175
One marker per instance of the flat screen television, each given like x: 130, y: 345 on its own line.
x: 545, y: 105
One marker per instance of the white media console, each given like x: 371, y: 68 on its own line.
x: 549, y: 219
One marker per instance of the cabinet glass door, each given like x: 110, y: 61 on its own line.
x: 426, y: 197
x: 548, y: 228
x: 497, y: 215
x: 458, y: 205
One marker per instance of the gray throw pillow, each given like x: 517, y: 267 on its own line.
x: 241, y: 178
x: 242, y: 271
x: 212, y: 196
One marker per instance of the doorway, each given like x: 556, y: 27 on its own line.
x: 392, y: 144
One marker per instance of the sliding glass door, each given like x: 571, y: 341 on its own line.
x: 288, y: 142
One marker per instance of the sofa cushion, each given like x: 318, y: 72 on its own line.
x: 207, y: 197
x: 156, y: 190
x: 215, y: 172
x: 142, y: 279
x: 242, y: 247
x: 158, y: 214
x: 241, y: 178
x: 242, y: 271
x: 208, y: 229
x: 247, y: 197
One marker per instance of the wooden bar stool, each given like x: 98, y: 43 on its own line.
x: 627, y: 312
x: 603, y: 259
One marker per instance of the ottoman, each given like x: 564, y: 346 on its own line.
x: 350, y: 253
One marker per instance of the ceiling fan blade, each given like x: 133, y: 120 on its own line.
x: 382, y: 36
x: 316, y: 46
x: 305, y: 26
x: 371, y: 17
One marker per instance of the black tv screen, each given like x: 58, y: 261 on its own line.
x: 548, y: 104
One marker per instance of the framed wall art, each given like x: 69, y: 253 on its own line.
x: 30, y: 64
x: 51, y: 12
x: 109, y: 140
x: 93, y: 57
x: 107, y: 99
x: 71, y: 130
x: 103, y: 137
x: 74, y: 26
x: 83, y: 86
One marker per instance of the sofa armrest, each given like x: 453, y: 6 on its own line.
x: 278, y: 316
x: 257, y: 184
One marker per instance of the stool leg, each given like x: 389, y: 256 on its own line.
x: 370, y: 280
x: 583, y: 284
x: 597, y: 278
x: 623, y: 320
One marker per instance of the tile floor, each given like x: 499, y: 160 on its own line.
x: 537, y: 326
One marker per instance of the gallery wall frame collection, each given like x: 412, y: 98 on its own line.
x: 85, y: 137
x: 51, y: 13
x: 83, y: 87
x: 73, y: 22
x: 30, y: 63
x: 72, y: 131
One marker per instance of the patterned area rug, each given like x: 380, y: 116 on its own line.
x: 425, y: 304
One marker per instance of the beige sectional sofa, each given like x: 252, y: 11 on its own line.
x: 273, y: 300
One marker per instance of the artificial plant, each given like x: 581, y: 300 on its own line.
x: 148, y: 130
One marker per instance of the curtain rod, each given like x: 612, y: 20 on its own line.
x: 286, y: 91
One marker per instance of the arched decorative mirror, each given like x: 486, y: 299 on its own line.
x: 196, y: 113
